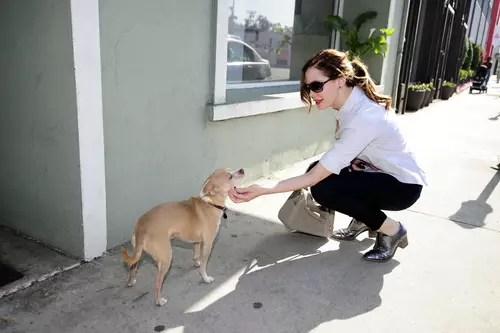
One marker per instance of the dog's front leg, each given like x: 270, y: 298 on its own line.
x: 206, y: 249
x: 196, y: 257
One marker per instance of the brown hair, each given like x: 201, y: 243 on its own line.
x: 335, y: 64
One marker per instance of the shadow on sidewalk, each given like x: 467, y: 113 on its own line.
x: 266, y: 280
x: 294, y: 286
x: 495, y: 118
x: 473, y: 213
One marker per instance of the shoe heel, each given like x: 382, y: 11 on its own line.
x: 372, y: 233
x: 403, y: 243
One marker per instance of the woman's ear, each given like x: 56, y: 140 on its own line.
x: 341, y: 81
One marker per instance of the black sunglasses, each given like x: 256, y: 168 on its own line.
x: 316, y: 86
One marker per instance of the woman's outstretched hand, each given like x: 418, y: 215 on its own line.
x: 246, y: 194
x: 314, y: 176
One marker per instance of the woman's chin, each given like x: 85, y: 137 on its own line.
x: 321, y: 106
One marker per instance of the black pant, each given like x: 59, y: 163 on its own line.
x: 363, y: 195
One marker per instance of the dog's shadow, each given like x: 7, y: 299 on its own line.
x: 290, y: 286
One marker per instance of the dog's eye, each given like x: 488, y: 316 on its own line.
x: 230, y: 176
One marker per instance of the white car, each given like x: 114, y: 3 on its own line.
x: 244, y: 63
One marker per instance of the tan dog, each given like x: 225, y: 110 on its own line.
x: 195, y: 220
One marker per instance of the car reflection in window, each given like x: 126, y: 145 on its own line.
x: 244, y: 63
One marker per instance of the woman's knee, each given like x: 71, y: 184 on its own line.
x: 323, y: 194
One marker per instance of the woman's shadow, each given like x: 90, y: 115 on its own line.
x: 473, y: 213
x: 290, y: 286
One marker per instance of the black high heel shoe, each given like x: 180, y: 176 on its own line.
x: 354, y: 229
x: 385, y: 246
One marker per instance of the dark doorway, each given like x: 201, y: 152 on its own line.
x: 8, y: 275
x: 408, y: 55
x: 441, y: 54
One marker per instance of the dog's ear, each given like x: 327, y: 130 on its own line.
x: 208, y: 188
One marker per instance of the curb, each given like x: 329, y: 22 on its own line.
x: 463, y: 87
x: 26, y: 282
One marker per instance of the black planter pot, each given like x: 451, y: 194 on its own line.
x: 427, y: 98
x: 433, y: 93
x: 415, y: 100
x: 447, y: 92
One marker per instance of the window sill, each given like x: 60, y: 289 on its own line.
x: 267, y: 104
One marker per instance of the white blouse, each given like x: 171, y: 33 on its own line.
x: 368, y: 132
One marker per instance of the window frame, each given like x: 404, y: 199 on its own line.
x: 219, y: 109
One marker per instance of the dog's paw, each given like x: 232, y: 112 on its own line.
x: 161, y: 302
x: 131, y: 283
x: 208, y: 279
x: 197, y: 263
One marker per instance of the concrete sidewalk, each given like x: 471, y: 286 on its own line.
x: 493, y: 86
x: 447, y: 280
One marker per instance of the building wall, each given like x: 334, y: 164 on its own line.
x: 39, y: 172
x: 156, y: 59
x: 475, y: 22
x: 479, y: 21
x: 481, y: 32
x: 493, y: 22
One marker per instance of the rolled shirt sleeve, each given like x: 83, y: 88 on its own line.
x: 358, y: 134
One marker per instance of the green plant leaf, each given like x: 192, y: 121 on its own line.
x: 365, y: 48
x: 336, y: 22
x: 352, y: 40
x: 285, y: 40
x: 387, y: 32
x: 364, y: 17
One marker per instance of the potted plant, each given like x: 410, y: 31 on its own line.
x: 428, y: 95
x: 447, y: 90
x: 472, y: 73
x: 416, y: 94
x: 433, y: 92
x: 375, y: 42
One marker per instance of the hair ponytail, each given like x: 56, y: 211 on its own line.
x: 362, y: 79
x: 336, y: 64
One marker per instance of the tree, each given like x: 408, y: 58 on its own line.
x: 465, y: 50
x: 250, y: 20
x: 263, y: 23
x: 232, y: 20
x: 468, y: 57
x: 276, y: 27
x: 286, y: 40
x: 476, y: 57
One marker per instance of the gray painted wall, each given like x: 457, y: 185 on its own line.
x: 156, y: 58
x: 476, y: 22
x: 39, y: 169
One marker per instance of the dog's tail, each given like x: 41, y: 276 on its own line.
x: 135, y: 257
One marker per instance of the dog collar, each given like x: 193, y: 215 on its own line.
x: 224, y: 215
